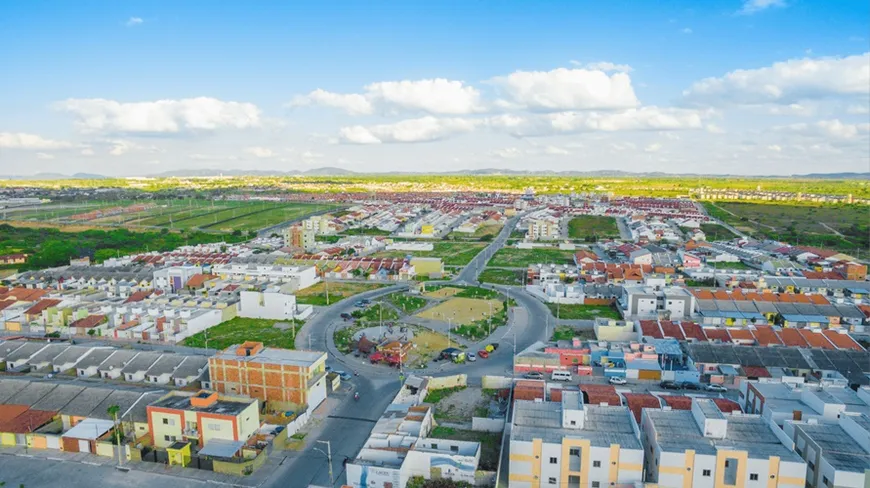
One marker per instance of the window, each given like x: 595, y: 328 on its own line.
x: 706, y: 473
x: 596, y: 484
x: 753, y: 476
x: 454, y: 448
x: 214, y: 427
x: 434, y: 446
x: 553, y: 460
x: 168, y: 422
x: 169, y: 438
x: 574, y: 451
x: 574, y: 422
x: 596, y: 464
x: 552, y: 481
x: 825, y: 480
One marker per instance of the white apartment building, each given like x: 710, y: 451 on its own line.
x: 173, y: 278
x: 671, y: 303
x: 704, y: 448
x: 271, y: 304
x: 320, y: 224
x: 299, y: 277
x: 573, y: 445
x: 544, y: 228
x: 837, y: 455
x: 784, y: 401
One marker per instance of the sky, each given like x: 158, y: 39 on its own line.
x: 752, y: 87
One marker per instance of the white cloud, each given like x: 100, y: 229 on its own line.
x: 829, y: 129
x: 786, y: 82
x: 774, y: 148
x: 87, y: 152
x: 654, y: 147
x: 121, y: 147
x: 133, y: 21
x: 212, y: 157
x: 604, y: 66
x: 352, y: 103
x: 858, y: 109
x: 42, y: 155
x: 423, y: 129
x: 435, y: 96
x: 161, y: 116
x: 714, y: 129
x: 566, y: 89
x: 260, y: 152
x: 555, y: 151
x: 508, y: 153
x: 686, y: 30
x: 645, y: 118
x: 754, y: 6
x: 21, y: 140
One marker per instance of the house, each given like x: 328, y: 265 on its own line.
x: 837, y: 453
x: 89, y: 364
x: 90, y: 325
x: 202, y: 417
x: 583, y: 256
x: 22, y: 353
x: 160, y: 372
x: 269, y: 304
x: 136, y: 369
x: 192, y: 369
x: 13, y: 259
x: 42, y: 360
x: 640, y: 256
x: 270, y: 374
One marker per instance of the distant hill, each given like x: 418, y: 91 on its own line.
x: 836, y: 176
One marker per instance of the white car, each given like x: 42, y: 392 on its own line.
x: 716, y: 388
x: 617, y: 380
x: 471, y: 357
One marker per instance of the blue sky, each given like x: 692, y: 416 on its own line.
x: 523, y: 84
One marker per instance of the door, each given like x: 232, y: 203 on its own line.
x: 84, y: 446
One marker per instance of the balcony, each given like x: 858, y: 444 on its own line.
x: 191, y: 433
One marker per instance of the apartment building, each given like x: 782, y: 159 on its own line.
x: 300, y: 236
x: 202, y: 417
x: 540, y: 229
x: 703, y: 447
x: 270, y: 374
x: 570, y: 444
x: 671, y: 303
x: 271, y: 304
x: 836, y: 454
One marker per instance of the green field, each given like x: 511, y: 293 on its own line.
x: 715, y: 232
x: 260, y: 217
x: 592, y: 227
x: 338, y: 290
x: 451, y: 253
x: 583, y: 312
x: 407, y: 303
x: 808, y: 225
x: 727, y: 265
x: 501, y: 276
x: 509, y: 257
x: 375, y: 314
x: 239, y: 330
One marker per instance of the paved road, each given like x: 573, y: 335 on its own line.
x: 470, y: 273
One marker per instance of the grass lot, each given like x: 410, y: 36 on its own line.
x: 583, y: 312
x: 800, y: 224
x: 590, y: 227
x: 716, y: 232
x: 483, y: 233
x: 737, y: 265
x: 565, y: 333
x: 508, y: 257
x: 366, y: 231
x: 407, y: 303
x: 343, y: 336
x: 441, y: 291
x: 490, y: 443
x: 477, y: 292
x: 481, y: 328
x: 517, y: 234
x: 376, y: 313
x: 451, y: 253
x: 338, y: 290
x: 435, y: 396
x: 501, y: 276
x: 262, y: 216
x: 463, y: 311
x: 239, y: 330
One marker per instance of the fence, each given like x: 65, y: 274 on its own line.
x: 483, y: 424
x: 443, y: 382
x: 496, y: 382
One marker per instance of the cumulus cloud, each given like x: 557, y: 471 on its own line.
x: 686, y: 30
x: 754, y: 6
x: 119, y: 147
x: 161, y: 116
x: 654, y: 147
x: 423, y: 129
x: 828, y: 129
x: 133, y: 21
x: 87, y: 152
x: 604, y: 66
x: 21, y: 140
x: 435, y: 96
x: 641, y: 119
x: 787, y: 82
x: 42, y: 155
x: 566, y: 89
x: 260, y: 152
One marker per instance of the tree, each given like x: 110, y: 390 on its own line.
x: 113, y: 412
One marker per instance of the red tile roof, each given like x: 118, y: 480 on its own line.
x: 741, y: 335
x: 727, y: 406
x: 597, y: 394
x: 815, y: 339
x: 40, y: 306
x: 199, y: 278
x: 765, y: 335
x: 671, y: 329
x: 651, y: 328
x: 791, y: 337
x: 677, y: 402
x: 693, y: 331
x: 714, y: 333
x: 638, y: 401
x: 89, y: 322
x: 138, y: 296
x: 27, y: 421
x: 756, y: 372
x: 842, y: 341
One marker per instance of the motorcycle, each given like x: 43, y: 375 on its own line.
x: 356, y: 395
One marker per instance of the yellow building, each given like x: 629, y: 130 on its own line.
x: 201, y: 417
x: 426, y: 266
x: 427, y: 229
x: 572, y: 444
x: 179, y: 454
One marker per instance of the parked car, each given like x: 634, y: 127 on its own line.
x: 533, y: 375
x: 716, y: 388
x: 482, y: 354
x: 617, y: 380
x: 346, y: 316
x: 471, y: 357
x: 365, y: 301
x: 669, y: 385
x: 359, y: 304
x: 688, y: 385
x: 449, y: 353
x: 345, y: 376
x: 377, y: 357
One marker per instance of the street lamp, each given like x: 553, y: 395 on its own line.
x: 328, y: 455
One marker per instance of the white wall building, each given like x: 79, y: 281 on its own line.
x: 271, y: 304
x: 837, y: 455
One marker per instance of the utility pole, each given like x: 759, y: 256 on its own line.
x: 329, y: 460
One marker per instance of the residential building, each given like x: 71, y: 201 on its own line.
x: 572, y: 444
x: 270, y: 374
x: 671, y: 303
x: 543, y: 228
x: 838, y: 454
x: 704, y: 448
x: 202, y: 417
x: 300, y: 236
x: 271, y: 304
x: 173, y: 278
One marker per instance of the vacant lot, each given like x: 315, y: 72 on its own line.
x: 490, y: 443
x: 509, y: 257
x: 501, y: 276
x: 451, y: 253
x: 261, y: 216
x: 442, y: 292
x: 727, y: 265
x: 316, y: 295
x: 592, y: 226
x: 461, y: 310
x: 565, y: 333
x: 800, y: 224
x: 583, y: 312
x: 239, y: 330
x: 429, y: 345
x: 716, y: 232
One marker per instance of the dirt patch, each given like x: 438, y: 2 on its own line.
x: 462, y: 310
x: 460, y: 406
x: 445, y: 292
x: 428, y: 345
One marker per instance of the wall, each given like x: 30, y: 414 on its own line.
x: 496, y: 382
x: 239, y: 469
x: 483, y: 424
x: 447, y: 382
x: 278, y: 306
